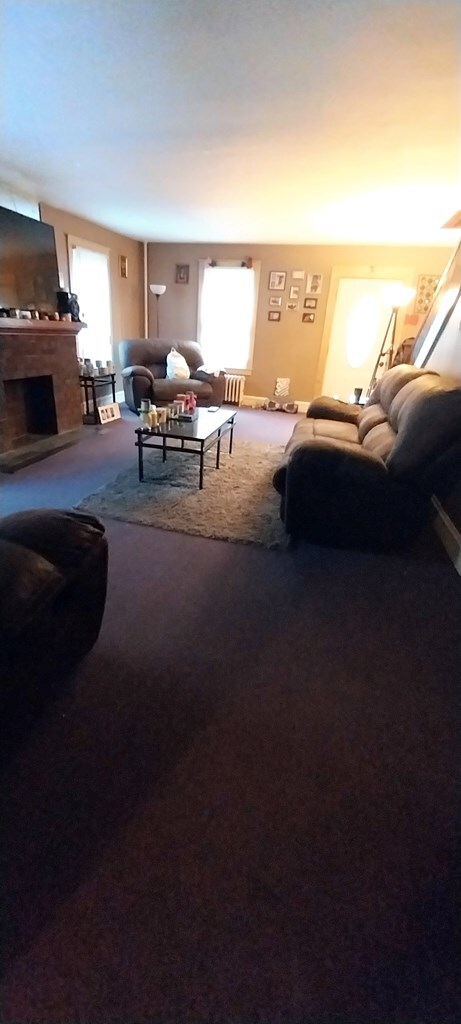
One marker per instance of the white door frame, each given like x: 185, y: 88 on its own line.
x: 407, y: 275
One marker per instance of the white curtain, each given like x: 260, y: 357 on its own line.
x: 90, y: 281
x: 227, y: 307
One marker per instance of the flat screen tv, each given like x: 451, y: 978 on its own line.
x: 28, y: 264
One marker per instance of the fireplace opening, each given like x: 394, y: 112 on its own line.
x: 31, y: 409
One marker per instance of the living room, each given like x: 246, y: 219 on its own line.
x: 242, y: 803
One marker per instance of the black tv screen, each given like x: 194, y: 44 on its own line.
x: 28, y: 264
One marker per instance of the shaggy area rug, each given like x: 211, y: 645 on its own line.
x: 238, y: 502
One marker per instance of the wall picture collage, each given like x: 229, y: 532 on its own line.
x: 302, y: 294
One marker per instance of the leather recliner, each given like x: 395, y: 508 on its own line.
x: 52, y: 595
x: 363, y: 478
x: 143, y: 362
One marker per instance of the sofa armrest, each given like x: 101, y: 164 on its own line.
x: 138, y: 371
x: 217, y: 382
x: 325, y: 408
x: 341, y: 495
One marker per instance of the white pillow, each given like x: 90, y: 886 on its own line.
x: 176, y: 366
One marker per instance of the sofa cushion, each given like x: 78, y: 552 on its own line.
x: 369, y: 417
x: 380, y: 440
x: 392, y: 381
x: 339, y: 430
x: 166, y: 390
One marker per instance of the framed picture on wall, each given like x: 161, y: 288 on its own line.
x: 182, y: 273
x: 310, y: 303
x: 314, y: 284
x: 293, y: 306
x: 294, y: 291
x: 273, y: 314
x: 277, y: 280
x: 308, y: 318
x: 123, y: 266
x: 275, y: 300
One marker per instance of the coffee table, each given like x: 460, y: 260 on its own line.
x: 193, y: 438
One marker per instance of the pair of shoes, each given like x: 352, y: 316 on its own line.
x: 290, y: 407
x: 273, y: 406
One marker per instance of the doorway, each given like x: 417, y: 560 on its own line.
x: 89, y: 271
x: 355, y: 325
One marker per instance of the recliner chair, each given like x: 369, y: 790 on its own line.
x: 143, y: 362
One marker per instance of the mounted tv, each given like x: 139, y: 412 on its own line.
x: 29, y: 276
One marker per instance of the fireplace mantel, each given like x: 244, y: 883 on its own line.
x: 11, y: 324
x: 29, y: 351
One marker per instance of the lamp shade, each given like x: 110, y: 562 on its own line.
x: 157, y: 289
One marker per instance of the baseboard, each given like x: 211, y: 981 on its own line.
x: 257, y: 401
x: 448, y: 534
x: 119, y: 396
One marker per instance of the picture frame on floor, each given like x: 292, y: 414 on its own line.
x: 108, y: 413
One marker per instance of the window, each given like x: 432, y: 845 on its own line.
x: 227, y: 303
x: 89, y: 276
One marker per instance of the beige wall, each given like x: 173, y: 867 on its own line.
x: 126, y: 293
x: 288, y: 348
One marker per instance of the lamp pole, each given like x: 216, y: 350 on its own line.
x: 382, y: 353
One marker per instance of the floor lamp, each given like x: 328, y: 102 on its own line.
x: 396, y: 296
x: 157, y: 290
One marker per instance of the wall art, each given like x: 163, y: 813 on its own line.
x: 293, y: 306
x: 314, y: 284
x: 308, y: 318
x: 294, y: 291
x: 275, y: 300
x: 427, y: 284
x: 277, y: 280
x: 310, y: 303
x: 273, y: 314
x: 182, y: 273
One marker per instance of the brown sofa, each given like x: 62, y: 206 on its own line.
x: 353, y: 477
x: 143, y: 362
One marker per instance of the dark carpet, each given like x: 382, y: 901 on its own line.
x: 244, y: 807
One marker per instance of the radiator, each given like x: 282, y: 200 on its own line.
x: 234, y: 388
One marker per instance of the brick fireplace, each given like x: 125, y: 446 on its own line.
x: 39, y: 387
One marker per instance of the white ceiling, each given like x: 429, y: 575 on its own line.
x: 296, y: 121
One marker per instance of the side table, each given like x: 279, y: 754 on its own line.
x: 90, y: 385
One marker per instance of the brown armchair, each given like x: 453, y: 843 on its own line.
x: 143, y: 362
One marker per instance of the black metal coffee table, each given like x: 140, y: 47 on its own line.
x: 194, y: 438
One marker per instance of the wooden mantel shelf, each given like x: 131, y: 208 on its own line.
x: 10, y: 324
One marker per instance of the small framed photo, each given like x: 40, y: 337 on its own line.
x: 308, y: 318
x: 273, y: 314
x: 123, y: 266
x: 294, y: 291
x: 297, y: 274
x: 293, y: 306
x: 275, y: 300
x: 310, y: 303
x: 277, y: 280
x: 108, y: 413
x: 182, y: 273
x: 314, y: 284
